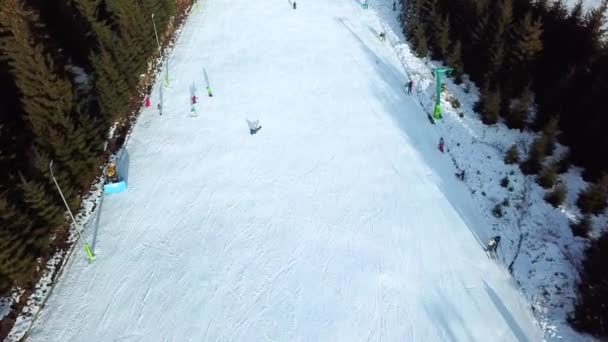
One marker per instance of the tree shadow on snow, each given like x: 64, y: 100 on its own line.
x: 505, y: 313
x: 450, y: 321
x: 373, y: 31
x: 96, y: 224
x: 420, y: 133
x: 122, y: 164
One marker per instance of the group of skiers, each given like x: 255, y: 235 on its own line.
x: 254, y: 126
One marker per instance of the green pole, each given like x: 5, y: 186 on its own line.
x: 167, y: 72
x: 438, y: 72
x: 87, y: 249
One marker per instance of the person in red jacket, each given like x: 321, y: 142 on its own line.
x: 194, y: 98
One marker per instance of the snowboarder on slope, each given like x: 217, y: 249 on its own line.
x: 441, y: 144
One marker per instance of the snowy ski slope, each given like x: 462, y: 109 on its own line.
x: 339, y: 221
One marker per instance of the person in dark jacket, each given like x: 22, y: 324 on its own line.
x: 493, y: 245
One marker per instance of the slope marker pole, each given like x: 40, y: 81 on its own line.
x: 87, y: 248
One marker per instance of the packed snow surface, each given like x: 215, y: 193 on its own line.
x: 338, y: 221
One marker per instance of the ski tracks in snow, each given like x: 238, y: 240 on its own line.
x: 326, y: 226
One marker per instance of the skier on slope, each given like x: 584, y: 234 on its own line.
x: 254, y: 126
x: 209, y: 92
x: 493, y: 245
x: 441, y: 144
x: 409, y: 86
x: 193, y: 99
x: 382, y: 36
x: 394, y: 5
x: 460, y: 175
x: 294, y: 5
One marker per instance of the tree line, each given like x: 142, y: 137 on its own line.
x: 69, y: 71
x: 539, y: 66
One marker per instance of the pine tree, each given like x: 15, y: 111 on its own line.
x: 442, y: 42
x: 564, y: 163
x: 582, y: 227
x: 43, y: 93
x: 454, y: 60
x: 490, y: 106
x: 110, y: 85
x: 420, y: 41
x: 525, y: 46
x: 16, y: 263
x: 518, y: 113
x: 35, y: 196
x: 576, y: 14
x: 547, y: 176
x: 7, y: 154
x: 16, y: 259
x: 595, y: 24
x: 559, y: 10
x: 512, y: 155
x: 590, y: 314
x: 480, y: 42
x: 550, y: 131
x: 429, y: 18
x: 46, y: 97
x: 502, y: 17
x: 112, y: 80
x: 593, y: 199
x: 533, y: 163
x: 556, y: 196
x: 409, y: 16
